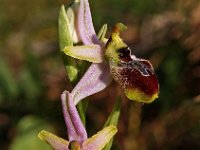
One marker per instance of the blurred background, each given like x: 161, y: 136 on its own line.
x: 32, y: 74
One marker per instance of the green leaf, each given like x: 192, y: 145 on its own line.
x: 65, y: 41
x: 113, y: 120
x: 64, y: 31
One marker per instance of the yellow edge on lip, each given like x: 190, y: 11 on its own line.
x: 137, y: 95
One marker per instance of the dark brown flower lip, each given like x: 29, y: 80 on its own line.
x: 135, y: 74
x: 131, y: 78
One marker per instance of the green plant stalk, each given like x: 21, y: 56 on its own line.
x: 113, y: 120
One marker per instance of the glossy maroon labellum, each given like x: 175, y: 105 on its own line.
x: 136, y: 76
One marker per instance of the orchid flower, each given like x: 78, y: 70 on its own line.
x: 111, y: 59
x: 76, y: 131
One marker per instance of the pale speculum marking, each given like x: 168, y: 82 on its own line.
x: 129, y: 63
x: 139, y: 66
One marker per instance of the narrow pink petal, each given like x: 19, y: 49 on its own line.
x: 85, y: 26
x: 95, y: 80
x: 82, y: 30
x: 75, y: 128
x: 89, y: 24
x: 91, y: 53
x: 88, y: 18
x: 56, y: 142
x: 99, y: 140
